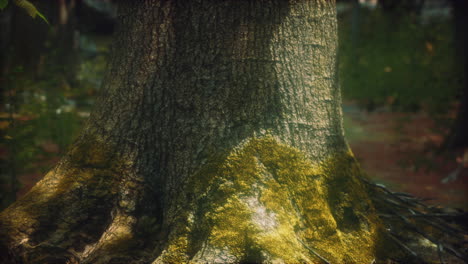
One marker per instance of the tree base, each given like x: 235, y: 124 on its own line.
x: 263, y: 202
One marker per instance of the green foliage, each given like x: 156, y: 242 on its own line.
x: 30, y: 9
x: 3, y: 4
x: 34, y: 133
x: 43, y: 120
x: 42, y: 115
x: 398, y: 61
x: 27, y: 6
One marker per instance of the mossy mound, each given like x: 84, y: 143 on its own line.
x: 266, y: 202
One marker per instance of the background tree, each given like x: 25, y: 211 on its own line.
x: 457, y: 138
x: 217, y: 138
x: 48, y: 72
x: 32, y: 52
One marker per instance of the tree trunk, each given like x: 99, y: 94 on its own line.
x: 457, y: 138
x: 218, y: 138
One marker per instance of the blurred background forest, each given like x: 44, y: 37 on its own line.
x: 402, y: 67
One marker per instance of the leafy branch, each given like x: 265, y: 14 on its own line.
x: 27, y: 6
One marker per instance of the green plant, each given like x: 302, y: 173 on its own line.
x: 400, y: 62
x: 27, y: 6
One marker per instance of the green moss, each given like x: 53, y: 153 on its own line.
x: 266, y: 201
x: 91, y: 152
x: 91, y: 163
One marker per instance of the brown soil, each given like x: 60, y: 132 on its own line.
x: 400, y: 150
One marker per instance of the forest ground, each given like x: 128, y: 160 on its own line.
x: 400, y: 150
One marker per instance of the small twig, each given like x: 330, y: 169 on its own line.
x: 314, y: 252
x: 440, y: 249
x: 411, y: 212
x: 434, y: 241
x: 445, y: 228
x: 456, y: 253
x: 399, y: 242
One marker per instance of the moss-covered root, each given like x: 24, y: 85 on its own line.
x: 67, y: 210
x: 266, y: 202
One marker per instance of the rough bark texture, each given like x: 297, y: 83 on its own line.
x: 218, y: 138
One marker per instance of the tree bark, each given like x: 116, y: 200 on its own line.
x: 457, y: 138
x: 218, y: 138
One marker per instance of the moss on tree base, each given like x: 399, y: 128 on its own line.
x: 266, y: 202
x: 263, y: 202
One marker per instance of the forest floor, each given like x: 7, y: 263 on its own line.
x: 400, y: 150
